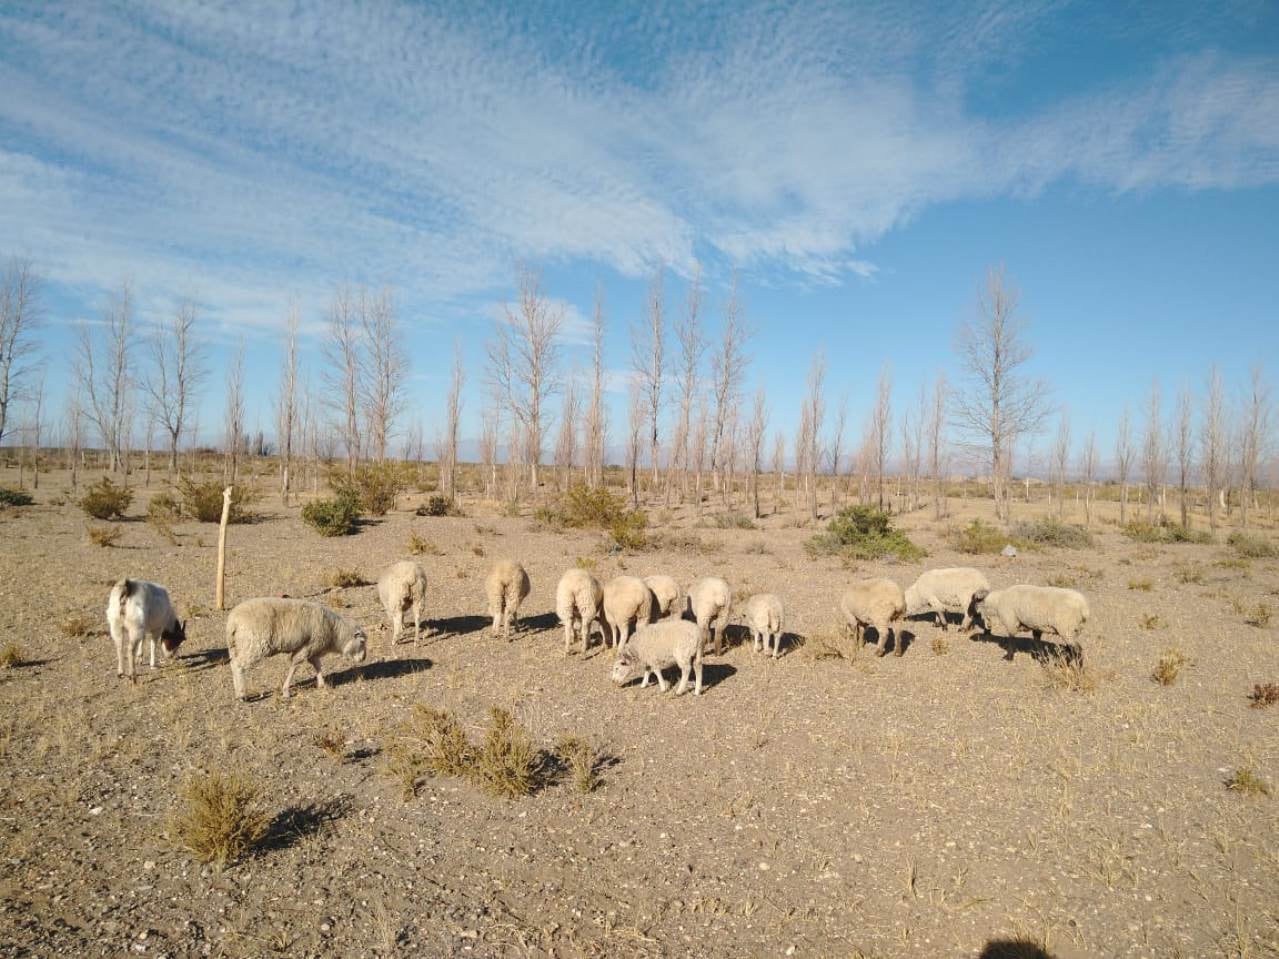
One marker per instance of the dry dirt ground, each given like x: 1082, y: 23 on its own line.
x: 921, y: 806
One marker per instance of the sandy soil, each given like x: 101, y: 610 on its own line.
x: 920, y: 806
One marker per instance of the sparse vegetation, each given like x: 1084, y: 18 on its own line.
x: 221, y: 819
x: 734, y: 521
x: 1188, y: 574
x: 1165, y: 532
x: 508, y: 764
x: 432, y: 741
x: 332, y: 742
x: 1263, y: 695
x: 202, y: 502
x: 1150, y: 621
x: 1246, y: 781
x: 332, y: 517
x: 587, y: 563
x: 340, y: 578
x: 979, y: 538
x: 582, y: 760
x: 1062, y: 581
x: 865, y: 533
x: 1259, y: 616
x: 14, y: 497
x: 1069, y: 673
x: 372, y: 487
x: 105, y: 500
x: 104, y: 535
x: 1252, y: 546
x: 1171, y: 662
x: 438, y: 506
x: 832, y: 643
x: 939, y: 646
x: 76, y: 626
x: 1051, y: 532
x: 583, y: 508
x: 419, y: 545
x: 12, y: 655
x: 1141, y: 585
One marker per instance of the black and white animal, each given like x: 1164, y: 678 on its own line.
x: 137, y: 609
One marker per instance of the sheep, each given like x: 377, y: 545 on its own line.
x: 137, y: 609
x: 672, y: 642
x: 577, y: 603
x: 954, y: 589
x: 764, y: 615
x: 402, y: 586
x: 626, y: 600
x: 665, y: 593
x: 262, y: 627
x: 507, y: 586
x: 878, y: 603
x: 1040, y: 609
x: 710, y: 602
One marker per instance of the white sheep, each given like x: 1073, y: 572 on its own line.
x: 710, y: 602
x: 658, y: 646
x: 764, y: 615
x: 878, y: 603
x: 1040, y: 609
x: 258, y: 628
x: 506, y: 587
x: 401, y: 587
x: 137, y: 609
x: 577, y: 603
x: 954, y: 589
x: 665, y: 594
x: 626, y: 601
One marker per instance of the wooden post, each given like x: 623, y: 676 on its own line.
x: 219, y: 588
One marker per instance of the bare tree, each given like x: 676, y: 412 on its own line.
x: 700, y: 428
x: 385, y: 369
x: 999, y: 404
x: 803, y: 446
x: 35, y: 426
x: 596, y: 419
x: 1061, y: 461
x: 1154, y: 462
x: 342, y: 377
x: 634, y: 436
x: 73, y: 435
x: 755, y: 444
x: 647, y: 357
x: 1184, y: 439
x: 1124, y: 454
x: 1213, y: 442
x: 174, y: 376
x: 286, y: 404
x: 837, y: 449
x: 692, y: 348
x: 566, y: 442
x: 727, y: 366
x: 881, y: 423
x: 1254, y: 437
x: 523, y: 361
x: 20, y: 315
x: 816, y: 410
x: 1089, y: 471
x: 779, y: 469
x: 104, y: 375
x: 913, y: 447
x: 233, y: 423
x: 452, y: 426
x: 937, y: 445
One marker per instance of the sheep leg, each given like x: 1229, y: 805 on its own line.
x: 135, y: 655
x: 899, y: 648
x: 683, y: 679
x: 777, y: 643
x: 397, y: 626
x: 941, y: 617
x: 319, y: 674
x: 152, y: 639
x: 237, y: 678
x: 881, y: 640
x: 662, y: 684
x: 297, y: 660
x: 697, y: 669
x: 568, y: 637
x: 644, y: 681
x: 719, y: 639
x: 417, y: 623
x: 117, y: 637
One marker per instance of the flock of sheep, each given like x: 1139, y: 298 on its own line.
x: 642, y: 619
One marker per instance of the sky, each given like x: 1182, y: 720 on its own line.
x: 858, y: 166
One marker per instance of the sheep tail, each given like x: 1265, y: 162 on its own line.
x: 125, y: 589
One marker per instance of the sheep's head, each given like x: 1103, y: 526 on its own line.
x: 627, y: 667
x: 356, y: 646
x: 985, y: 613
x: 173, y: 637
x: 912, y: 601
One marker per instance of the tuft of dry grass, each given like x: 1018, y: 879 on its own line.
x: 1263, y: 695
x: 1069, y: 673
x: 1063, y: 581
x: 1150, y: 621
x: 1143, y: 585
x: 336, y: 601
x: 582, y: 760
x: 587, y: 563
x: 104, y: 535
x: 939, y: 646
x: 832, y: 643
x: 1171, y: 662
x: 1245, y: 780
x: 1188, y: 574
x: 1259, y: 616
x: 508, y: 764
x: 478, y: 549
x: 76, y: 626
x: 340, y: 578
x: 431, y: 741
x: 421, y: 546
x: 221, y: 819
x: 12, y: 655
x: 332, y: 742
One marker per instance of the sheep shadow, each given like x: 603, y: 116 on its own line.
x: 715, y: 673
x: 461, y: 625
x: 787, y: 643
x: 205, y: 658
x: 537, y: 624
x: 1013, y: 949
x: 1041, y: 651
x: 296, y: 823
x: 379, y: 669
x: 903, y: 639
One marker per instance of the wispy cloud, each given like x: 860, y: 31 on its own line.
x: 256, y: 160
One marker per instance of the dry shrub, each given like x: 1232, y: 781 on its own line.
x: 163, y: 528
x: 1253, y: 547
x: 582, y: 760
x: 508, y: 764
x: 221, y: 819
x: 1142, y: 585
x: 1150, y: 621
x: 1051, y: 532
x: 333, y: 517
x: 1063, y: 581
x: 77, y: 625
x: 332, y: 742
x: 104, y: 535
x: 105, y: 500
x: 1259, y: 616
x: 939, y: 646
x: 1188, y: 574
x: 978, y: 538
x: 339, y: 578
x: 431, y: 741
x: 585, y: 562
x: 1069, y: 673
x: 14, y: 497
x: 12, y: 655
x: 1169, y: 667
x: 1263, y: 695
x: 1245, y: 780
x: 478, y: 549
x: 832, y: 643
x: 203, y: 501
x: 421, y: 546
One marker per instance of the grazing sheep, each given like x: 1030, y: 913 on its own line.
x: 665, y: 594
x: 1040, y: 609
x: 710, y: 602
x: 137, y: 609
x: 577, y: 603
x: 658, y: 646
x: 402, y: 586
x: 258, y: 628
x: 878, y: 603
x: 626, y: 600
x: 507, y: 586
x: 764, y: 614
x: 940, y: 591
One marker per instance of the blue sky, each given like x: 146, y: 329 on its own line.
x: 859, y: 165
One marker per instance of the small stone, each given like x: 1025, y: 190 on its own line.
x: 149, y: 864
x: 763, y: 867
x: 325, y: 927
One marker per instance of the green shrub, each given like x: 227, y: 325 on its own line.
x: 630, y: 530
x: 1253, y: 547
x: 438, y: 506
x: 105, y: 500
x: 14, y: 497
x: 374, y: 487
x: 1164, y: 532
x: 164, y: 507
x: 203, y: 501
x: 583, y: 508
x: 734, y: 521
x: 332, y: 517
x: 863, y: 532
x: 978, y: 537
x: 1051, y: 532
